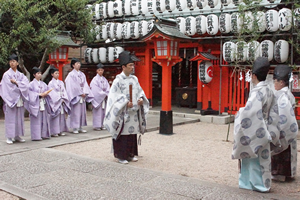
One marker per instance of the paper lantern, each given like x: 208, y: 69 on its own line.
x: 160, y: 6
x: 118, y: 31
x: 205, y: 72
x: 212, y: 3
x: 127, y: 7
x: 95, y: 55
x: 97, y: 13
x: 241, y: 51
x: 190, y: 26
x: 260, y: 21
x: 236, y: 22
x: 253, y: 50
x: 110, y: 54
x: 191, y: 4
x: 297, y: 17
x: 151, y: 4
x: 97, y: 32
x: 102, y: 54
x: 201, y: 24
x: 267, y: 49
x: 134, y: 7
x: 170, y: 5
x: 143, y: 28
x: 134, y: 30
x: 143, y: 8
x: 117, y: 51
x: 201, y: 4
x: 87, y: 55
x: 237, y: 2
x: 225, y: 2
x: 110, y: 9
x: 225, y: 23
x: 103, y: 32
x: 118, y: 8
x: 102, y: 10
x: 212, y: 24
x: 180, y: 4
x: 110, y: 30
x: 150, y: 25
x: 272, y: 20
x: 248, y: 21
x: 285, y: 19
x: 126, y: 30
x: 229, y: 49
x: 181, y: 24
x: 281, y: 51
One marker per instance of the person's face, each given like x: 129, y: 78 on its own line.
x: 13, y: 64
x: 55, y: 74
x: 128, y: 69
x: 77, y: 65
x: 278, y: 84
x: 38, y: 75
x: 100, y: 71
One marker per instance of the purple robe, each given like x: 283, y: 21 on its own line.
x: 76, y: 85
x: 58, y: 108
x: 100, y: 89
x: 11, y: 95
x: 39, y: 116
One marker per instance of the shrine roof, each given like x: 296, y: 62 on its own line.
x: 65, y: 40
x: 204, y: 56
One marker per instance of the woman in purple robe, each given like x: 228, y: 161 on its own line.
x: 14, y: 92
x: 38, y: 107
x: 100, y: 89
x: 58, y: 123
x: 79, y: 93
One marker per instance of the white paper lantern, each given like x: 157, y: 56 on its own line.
x: 191, y: 4
x: 143, y: 8
x: 285, y: 19
x: 205, y: 72
x: 272, y: 20
x: 170, y: 5
x: 229, y: 49
x: 248, y: 21
x: 91, y: 8
x: 180, y: 4
x: 181, y: 24
x: 110, y: 54
x: 260, y: 21
x: 150, y: 25
x: 134, y: 7
x: 160, y: 6
x: 143, y: 28
x: 118, y: 31
x: 102, y: 10
x: 110, y: 30
x: 212, y: 3
x: 212, y: 24
x: 241, y: 51
x: 97, y: 13
x: 297, y: 17
x: 102, y: 54
x: 225, y: 2
x: 117, y: 51
x: 236, y: 22
x: 118, y: 8
x: 151, y: 4
x: 97, y: 32
x: 225, y: 23
x: 110, y: 9
x: 281, y: 51
x: 87, y: 55
x: 190, y: 26
x: 127, y: 7
x: 237, y: 2
x: 134, y: 30
x: 267, y: 49
x: 201, y: 24
x: 95, y: 55
x: 126, y: 34
x: 201, y: 4
x: 103, y: 32
x: 253, y: 50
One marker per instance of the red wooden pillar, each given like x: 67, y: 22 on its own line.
x: 199, y: 85
x: 60, y: 70
x: 166, y: 93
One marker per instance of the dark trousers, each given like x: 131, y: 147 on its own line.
x: 125, y: 147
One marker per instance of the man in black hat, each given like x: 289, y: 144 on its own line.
x: 284, y: 156
x: 14, y: 92
x: 100, y: 89
x: 251, y: 135
x: 126, y: 110
x: 79, y: 93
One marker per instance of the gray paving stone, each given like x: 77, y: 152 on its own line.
x: 45, y: 156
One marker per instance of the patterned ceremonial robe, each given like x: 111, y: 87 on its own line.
x: 100, y: 89
x: 120, y: 120
x: 284, y: 159
x: 59, y: 108
x: 252, y: 139
x: 76, y: 85
x: 14, y: 97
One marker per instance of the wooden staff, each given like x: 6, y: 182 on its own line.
x: 130, y: 93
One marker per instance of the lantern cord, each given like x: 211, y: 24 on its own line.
x: 191, y: 74
x: 233, y: 93
x: 179, y: 75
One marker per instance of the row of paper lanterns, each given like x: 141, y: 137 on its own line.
x: 242, y: 51
x: 102, y: 54
x: 119, y: 8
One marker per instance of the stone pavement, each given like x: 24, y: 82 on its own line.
x: 34, y: 171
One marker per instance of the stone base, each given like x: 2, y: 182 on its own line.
x: 166, y: 122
